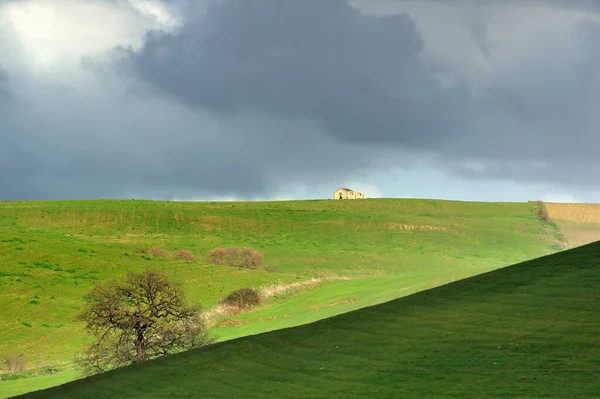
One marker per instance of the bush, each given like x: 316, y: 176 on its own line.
x: 242, y: 299
x: 184, y: 254
x: 217, y: 256
x: 140, y: 251
x: 542, y: 213
x: 14, y: 363
x: 158, y: 252
x: 247, y: 258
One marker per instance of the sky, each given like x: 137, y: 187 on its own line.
x: 286, y: 99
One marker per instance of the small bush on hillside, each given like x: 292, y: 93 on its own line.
x: 542, y: 213
x: 217, y: 256
x: 184, y: 254
x: 272, y: 269
x: 247, y: 258
x: 158, y: 252
x: 243, y: 299
x: 14, y: 363
x: 140, y: 251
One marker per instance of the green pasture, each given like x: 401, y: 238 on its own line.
x: 52, y: 252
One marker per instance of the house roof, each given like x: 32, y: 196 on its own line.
x: 344, y: 189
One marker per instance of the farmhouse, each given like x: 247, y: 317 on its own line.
x: 346, y: 193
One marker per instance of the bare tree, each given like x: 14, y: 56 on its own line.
x: 142, y: 317
x: 14, y: 362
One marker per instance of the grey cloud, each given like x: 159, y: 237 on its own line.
x: 4, y: 86
x: 359, y: 77
x: 272, y: 93
x: 153, y: 149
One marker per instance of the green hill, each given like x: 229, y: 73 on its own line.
x: 53, y: 252
x: 524, y: 331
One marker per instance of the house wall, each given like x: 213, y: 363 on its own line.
x: 337, y: 194
x: 348, y: 194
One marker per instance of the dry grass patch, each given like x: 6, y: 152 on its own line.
x: 158, y: 252
x: 336, y: 303
x: 142, y: 251
x: 231, y: 323
x: 279, y: 289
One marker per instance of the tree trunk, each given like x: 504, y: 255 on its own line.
x: 140, y: 349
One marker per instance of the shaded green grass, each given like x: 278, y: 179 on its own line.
x: 52, y: 252
x: 523, y: 331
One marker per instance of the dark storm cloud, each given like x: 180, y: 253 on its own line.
x: 362, y: 79
x: 152, y: 149
x: 359, y: 77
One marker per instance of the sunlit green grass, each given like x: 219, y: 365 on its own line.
x: 527, y: 331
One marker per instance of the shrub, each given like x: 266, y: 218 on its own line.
x: 247, y: 257
x: 158, y: 252
x: 542, y: 213
x: 140, y: 251
x: 14, y: 363
x: 184, y: 254
x: 217, y: 256
x: 242, y: 299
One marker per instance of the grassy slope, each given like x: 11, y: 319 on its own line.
x: 580, y: 223
x: 52, y: 252
x: 523, y: 331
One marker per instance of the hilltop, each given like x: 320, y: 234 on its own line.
x: 372, y: 251
x: 524, y: 331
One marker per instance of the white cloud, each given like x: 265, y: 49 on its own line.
x: 50, y: 37
x: 560, y: 198
x: 370, y: 190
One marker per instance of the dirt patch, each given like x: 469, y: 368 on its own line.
x: 336, y: 303
x: 231, y: 323
x: 278, y: 289
x: 412, y: 227
x: 263, y: 319
x: 315, y: 260
x: 238, y: 323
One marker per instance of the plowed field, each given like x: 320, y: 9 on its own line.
x: 580, y: 223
